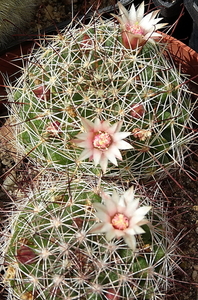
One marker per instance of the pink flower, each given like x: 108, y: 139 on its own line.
x: 42, y: 92
x: 101, y: 142
x: 121, y: 217
x: 136, y: 28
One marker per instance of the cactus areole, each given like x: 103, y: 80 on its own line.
x: 103, y: 107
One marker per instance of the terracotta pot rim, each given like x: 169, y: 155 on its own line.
x: 185, y: 58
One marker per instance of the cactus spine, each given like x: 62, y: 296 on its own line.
x: 87, y: 73
x: 52, y: 253
x: 84, y: 101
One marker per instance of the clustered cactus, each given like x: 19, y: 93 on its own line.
x: 102, y: 107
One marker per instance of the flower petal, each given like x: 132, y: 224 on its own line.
x: 96, y: 156
x: 111, y: 157
x: 100, y: 227
x: 84, y: 144
x: 115, y: 197
x: 102, y: 212
x: 135, y: 220
x: 143, y: 222
x: 103, y: 126
x: 97, y: 125
x: 140, y: 12
x: 82, y: 136
x: 159, y: 26
x: 130, y: 240
x: 120, y: 20
x: 104, y: 163
x: 111, y: 207
x: 131, y: 208
x: 123, y: 12
x: 115, y: 128
x: 85, y: 154
x: 129, y: 195
x: 115, y: 151
x: 110, y: 234
x: 88, y: 125
x: 122, y: 145
x: 103, y: 216
x: 130, y: 231
x: 143, y: 210
x: 132, y: 15
x: 120, y: 135
x: 119, y: 233
x: 146, y: 21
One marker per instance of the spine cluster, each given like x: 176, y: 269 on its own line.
x: 53, y: 254
x: 87, y: 73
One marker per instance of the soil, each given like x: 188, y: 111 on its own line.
x: 181, y: 189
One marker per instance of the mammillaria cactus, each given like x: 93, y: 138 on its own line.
x: 101, y: 106
x: 87, y: 73
x: 52, y: 249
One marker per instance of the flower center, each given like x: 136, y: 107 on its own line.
x: 135, y: 29
x: 120, y: 221
x: 102, y: 140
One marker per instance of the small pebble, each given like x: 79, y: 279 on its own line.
x: 195, y: 207
x: 195, y: 276
x: 195, y: 267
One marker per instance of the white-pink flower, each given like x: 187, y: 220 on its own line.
x: 102, y: 142
x: 136, y: 28
x: 121, y: 217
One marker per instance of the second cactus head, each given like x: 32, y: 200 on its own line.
x: 74, y: 241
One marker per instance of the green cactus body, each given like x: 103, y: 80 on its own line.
x: 51, y: 254
x: 87, y: 72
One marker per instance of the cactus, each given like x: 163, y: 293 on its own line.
x: 52, y: 252
x: 14, y: 15
x: 102, y: 107
x: 87, y: 73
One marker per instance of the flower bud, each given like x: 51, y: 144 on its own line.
x: 137, y: 110
x: 112, y: 294
x: 42, y: 92
x: 26, y: 255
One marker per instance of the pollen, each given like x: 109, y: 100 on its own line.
x: 102, y: 141
x: 120, y: 221
x: 135, y: 29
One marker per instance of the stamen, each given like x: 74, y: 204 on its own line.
x: 135, y: 29
x: 102, y: 140
x: 120, y: 221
